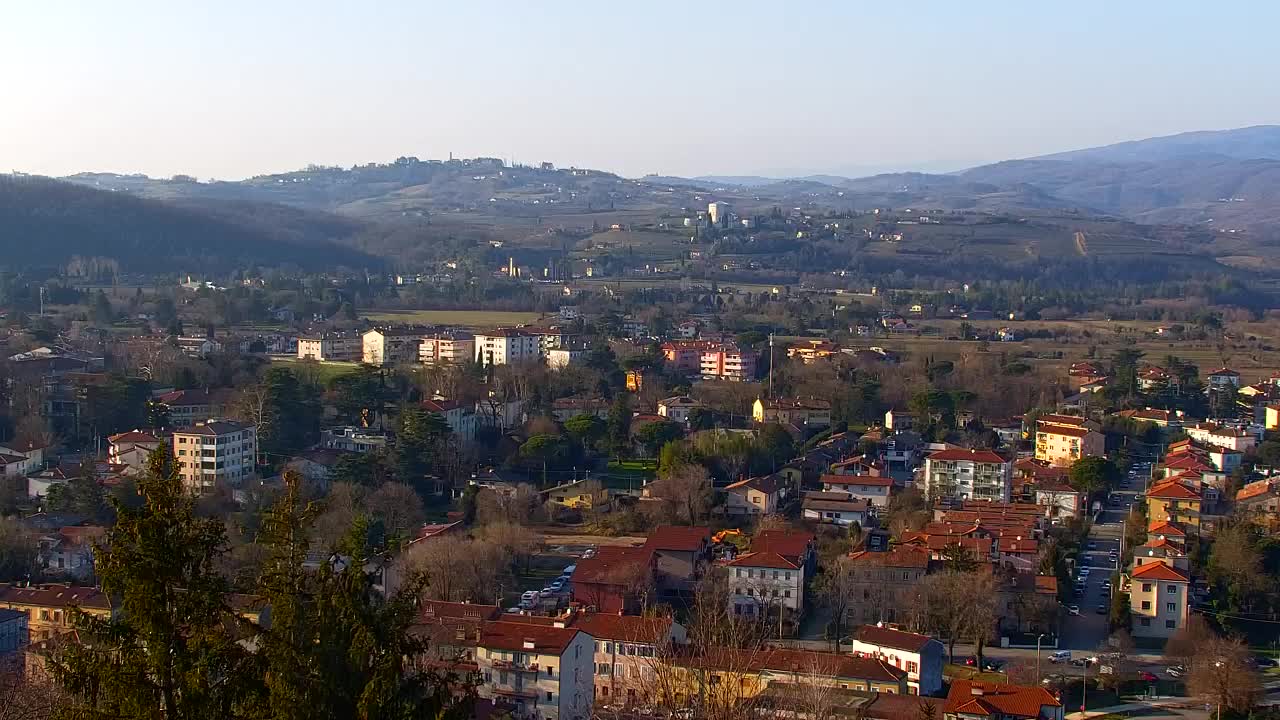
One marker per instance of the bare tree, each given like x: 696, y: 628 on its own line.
x: 685, y: 493
x: 27, y: 691
x: 457, y: 569
x: 836, y: 587
x: 1221, y: 673
x: 1188, y: 641
x: 398, y: 506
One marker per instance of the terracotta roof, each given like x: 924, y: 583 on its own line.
x: 961, y: 455
x: 1047, y: 585
x: 900, y: 556
x: 980, y: 698
x: 628, y: 628
x: 514, y: 636
x: 767, y: 484
x: 1056, y: 486
x: 763, y: 559
x: 792, y: 545
x: 868, y: 480
x: 1227, y: 372
x: 611, y: 566
x: 1158, y: 571
x: 1061, y: 420
x: 1165, y: 528
x: 1069, y: 431
x: 186, y: 397
x: 133, y: 436
x: 214, y: 427
x: 1025, y: 546
x: 808, y: 662
x: 438, y: 610
x: 1253, y: 490
x: 834, y: 502
x: 1173, y: 490
x: 441, y: 406
x: 1186, y: 461
x: 892, y: 706
x: 54, y: 595
x: 890, y: 638
x: 678, y: 538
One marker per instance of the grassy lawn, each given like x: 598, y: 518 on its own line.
x: 955, y: 671
x: 324, y: 371
x: 465, y: 318
x: 633, y: 469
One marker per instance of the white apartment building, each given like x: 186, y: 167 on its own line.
x: 1231, y: 438
x: 388, y: 346
x: 353, y: 439
x: 963, y: 474
x: 872, y: 488
x: 215, y: 451
x: 446, y: 349
x: 503, y: 347
x: 764, y: 580
x: 545, y: 671
x: 330, y: 347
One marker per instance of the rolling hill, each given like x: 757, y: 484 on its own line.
x: 46, y: 223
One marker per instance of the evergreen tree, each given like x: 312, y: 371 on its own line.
x: 169, y: 652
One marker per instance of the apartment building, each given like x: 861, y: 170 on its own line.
x: 345, y: 347
x: 504, y: 347
x: 544, y: 671
x: 1231, y: 438
x: 446, y: 349
x: 626, y: 649
x: 710, y: 360
x: 873, y: 488
x: 762, y: 581
x: 1063, y: 439
x: 131, y: 448
x: 1158, y: 599
x: 921, y: 656
x: 186, y: 407
x: 47, y: 606
x: 885, y: 583
x: 215, y: 451
x: 963, y: 474
x: 802, y: 412
x: 390, y: 346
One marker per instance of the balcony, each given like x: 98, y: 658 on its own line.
x: 516, y: 666
x: 530, y: 693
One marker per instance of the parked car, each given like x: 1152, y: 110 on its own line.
x: 1101, y: 609
x: 1106, y: 585
x: 1073, y: 609
x: 992, y: 665
x: 1176, y: 671
x: 1263, y: 661
x: 1079, y: 662
x: 568, y: 571
x: 1084, y: 572
x: 1062, y: 655
x: 1093, y: 545
x: 1147, y: 677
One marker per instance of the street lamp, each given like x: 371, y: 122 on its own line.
x: 1038, y: 678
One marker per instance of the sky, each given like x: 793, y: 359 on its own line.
x: 230, y: 89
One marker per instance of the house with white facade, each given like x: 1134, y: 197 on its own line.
x: 921, y: 656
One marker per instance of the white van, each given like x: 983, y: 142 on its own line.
x: 1060, y: 656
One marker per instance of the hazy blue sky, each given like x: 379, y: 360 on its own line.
x: 227, y: 88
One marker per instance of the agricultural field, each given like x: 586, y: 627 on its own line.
x: 462, y: 318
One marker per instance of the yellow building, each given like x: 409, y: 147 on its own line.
x: 813, y: 350
x: 810, y: 412
x: 580, y: 495
x: 1173, y: 502
x: 49, y: 606
x: 1158, y: 599
x: 1062, y: 439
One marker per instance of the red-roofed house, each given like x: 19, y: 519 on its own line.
x: 763, y: 580
x: 885, y: 582
x: 616, y: 580
x: 968, y: 475
x: 625, y: 651
x: 973, y: 700
x: 1063, y: 439
x: 1172, y: 501
x: 132, y: 448
x: 680, y: 556
x: 755, y: 496
x: 1159, y: 601
x: 920, y: 655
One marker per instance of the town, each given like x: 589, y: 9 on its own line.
x: 596, y: 512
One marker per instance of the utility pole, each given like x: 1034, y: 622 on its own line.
x: 770, y: 366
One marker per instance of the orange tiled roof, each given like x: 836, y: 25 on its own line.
x: 1158, y: 571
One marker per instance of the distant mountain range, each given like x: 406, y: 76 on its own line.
x: 403, y: 211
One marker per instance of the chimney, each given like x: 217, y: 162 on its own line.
x: 528, y: 644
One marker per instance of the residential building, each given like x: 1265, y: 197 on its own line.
x: 564, y: 408
x: 447, y: 349
x: 617, y: 580
x: 1271, y: 417
x: 15, y: 632
x: 505, y: 346
x: 1063, y: 439
x: 330, y: 347
x: 921, y: 656
x: 1260, y: 499
x: 718, y: 212
x: 875, y: 489
x: 896, y: 420
x: 975, y: 700
x: 1223, y: 379
x: 353, y: 439
x: 47, y: 606
x: 317, y: 465
x: 213, y: 452
x: 765, y: 580
x: 559, y: 357
x: 1159, y: 418
x: 753, y: 672
x: 187, y: 407
x: 677, y: 409
x: 1231, y: 438
x: 801, y: 412
x: 710, y: 360
x: 390, y: 346
x: 1158, y: 600
x: 961, y: 474
x: 626, y: 651
x: 680, y: 558
x: 460, y: 417
x: 1060, y: 500
x: 836, y: 508
x: 754, y: 496
x: 885, y: 582
x: 813, y: 350
x: 1174, y: 502
x: 68, y: 551
x: 132, y: 448
x: 543, y: 671
x: 579, y: 495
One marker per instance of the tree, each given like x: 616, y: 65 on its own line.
x: 1092, y: 475
x: 619, y: 425
x: 17, y: 551
x: 286, y: 415
x: 168, y: 653
x: 1221, y: 673
x: 398, y: 508
x: 654, y: 435
x: 81, y: 495
x: 587, y: 430
x: 1189, y: 640
x: 545, y: 450
x: 422, y: 439
x: 1235, y: 566
x: 685, y: 493
x: 836, y: 587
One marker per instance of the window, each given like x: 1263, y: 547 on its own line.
x: 1146, y: 604
x: 608, y: 648
x: 786, y: 593
x: 1146, y: 587
x: 1171, y: 623
x: 912, y: 667
x: 551, y: 671
x: 603, y: 669
x: 775, y: 574
x: 905, y: 576
x: 1146, y: 622
x: 739, y: 573
x: 1171, y: 607
x: 1171, y: 589
x: 548, y: 696
x: 788, y: 575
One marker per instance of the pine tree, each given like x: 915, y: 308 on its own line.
x: 170, y: 651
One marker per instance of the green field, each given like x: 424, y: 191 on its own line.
x: 465, y: 318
